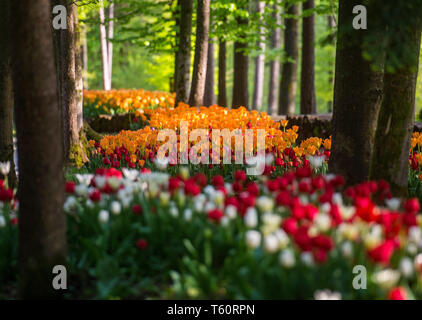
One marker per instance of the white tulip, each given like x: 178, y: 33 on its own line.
x: 393, y: 204
x: 84, y: 178
x: 347, y: 249
x: 415, y: 234
x: 5, y: 168
x: 282, y: 237
x: 338, y: 199
x: 228, y: 188
x: 218, y: 198
x: 114, y: 183
x: 271, y: 243
x: 161, y: 163
x: 209, y: 206
x: 130, y: 174
x: 81, y: 190
x: 307, y: 258
x: 103, y: 216
x: 251, y: 218
x: 100, y: 181
x: 231, y: 211
x: 412, y: 248
x: 386, y: 278
x: 327, y: 295
x: 326, y: 207
x: 90, y: 204
x: 287, y: 258
x: 115, y: 207
x: 224, y: 221
x: 253, y: 239
x: 174, y: 211
x: 315, y: 161
x: 406, y: 267
x: 69, y: 204
x: 2, y: 222
x: 265, y: 204
x: 323, y: 222
x: 187, y: 214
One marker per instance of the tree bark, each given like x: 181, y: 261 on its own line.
x: 275, y: 64
x: 69, y: 84
x: 6, y: 94
x: 358, y: 94
x: 104, y: 48
x: 222, y: 70
x: 241, y: 71
x: 184, y: 52
x: 85, y: 59
x: 42, y: 224
x: 259, y: 62
x: 109, y: 41
x: 307, y: 81
x: 78, y: 71
x: 288, y: 83
x: 332, y: 28
x: 209, y: 95
x: 390, y: 159
x: 196, y: 97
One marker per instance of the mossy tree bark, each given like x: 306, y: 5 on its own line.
x: 6, y: 93
x: 288, y: 82
x: 307, y: 78
x: 183, y: 63
x: 390, y: 159
x: 357, y: 98
x: 42, y: 224
x: 196, y: 97
x: 222, y: 70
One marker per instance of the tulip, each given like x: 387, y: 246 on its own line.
x: 5, y: 168
x: 406, y: 267
x: 103, y: 216
x: 251, y: 218
x: 231, y: 211
x: 2, y: 222
x: 115, y: 207
x: 287, y: 258
x: 271, y: 243
x: 253, y: 239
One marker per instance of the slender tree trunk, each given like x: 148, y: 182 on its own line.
x: 357, y: 98
x: 275, y: 64
x: 241, y: 70
x: 288, y: 83
x: 184, y: 52
x: 104, y: 48
x: 6, y: 93
x: 390, y: 159
x: 177, y: 19
x: 109, y: 41
x: 307, y: 81
x: 196, y: 97
x: 222, y: 70
x: 42, y: 224
x: 85, y: 58
x: 259, y: 62
x: 70, y: 106
x: 332, y: 28
x: 209, y: 96
x: 78, y: 71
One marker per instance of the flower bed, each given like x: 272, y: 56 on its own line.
x: 140, y: 102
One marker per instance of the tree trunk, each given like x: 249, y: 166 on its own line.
x: 288, y: 83
x: 241, y: 70
x: 85, y: 59
x: 184, y: 52
x: 307, y: 80
x: 78, y: 71
x: 259, y: 62
x: 358, y: 94
x: 177, y: 13
x: 209, y: 95
x: 70, y: 106
x: 222, y: 70
x: 390, y: 159
x: 109, y: 41
x: 104, y: 48
x: 332, y: 29
x: 6, y: 94
x: 196, y: 97
x: 42, y: 224
x: 275, y: 64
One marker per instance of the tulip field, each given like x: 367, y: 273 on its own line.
x: 140, y: 227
